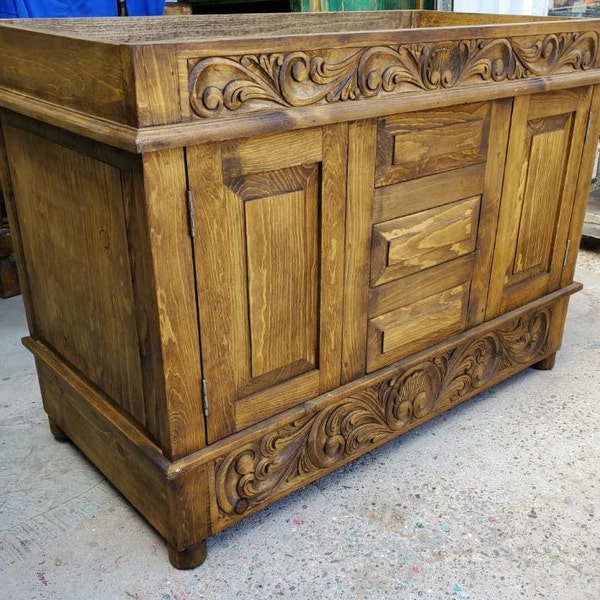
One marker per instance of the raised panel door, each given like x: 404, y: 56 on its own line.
x: 547, y: 137
x: 269, y: 217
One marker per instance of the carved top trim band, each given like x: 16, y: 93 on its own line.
x: 256, y: 81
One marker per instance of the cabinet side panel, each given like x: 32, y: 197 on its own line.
x: 70, y: 210
x: 77, y: 74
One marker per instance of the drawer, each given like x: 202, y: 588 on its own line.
x: 413, y: 196
x: 425, y: 239
x: 417, y: 325
x: 423, y: 143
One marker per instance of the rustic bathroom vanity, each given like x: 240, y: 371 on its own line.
x: 254, y: 248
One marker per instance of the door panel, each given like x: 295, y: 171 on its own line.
x: 269, y: 216
x: 548, y: 134
x: 282, y: 262
x: 548, y: 142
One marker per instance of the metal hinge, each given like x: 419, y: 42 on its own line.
x: 567, y: 253
x: 190, y: 209
x: 204, y: 398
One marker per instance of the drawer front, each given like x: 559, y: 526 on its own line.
x: 423, y: 240
x: 417, y: 325
x: 418, y: 144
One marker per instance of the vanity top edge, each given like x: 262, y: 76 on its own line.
x: 198, y: 29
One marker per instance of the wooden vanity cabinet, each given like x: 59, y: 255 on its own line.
x: 250, y: 254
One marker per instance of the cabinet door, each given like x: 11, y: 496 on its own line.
x: 548, y: 133
x: 269, y: 247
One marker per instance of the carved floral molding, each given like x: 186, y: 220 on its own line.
x: 294, y: 79
x: 252, y: 474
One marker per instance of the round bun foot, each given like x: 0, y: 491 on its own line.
x: 189, y: 558
x: 547, y: 364
x: 56, y: 431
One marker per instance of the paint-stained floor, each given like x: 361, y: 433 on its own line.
x: 498, y: 499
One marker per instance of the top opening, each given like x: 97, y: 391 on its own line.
x: 135, y: 30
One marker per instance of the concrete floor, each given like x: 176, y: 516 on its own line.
x: 498, y: 499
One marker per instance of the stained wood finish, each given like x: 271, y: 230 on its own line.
x: 408, y: 329
x: 544, y: 158
x: 110, y: 439
x: 265, y: 310
x: 76, y: 246
x: 107, y: 78
x: 307, y: 444
x: 188, y: 558
x: 56, y: 431
x: 274, y: 287
x: 424, y: 239
x: 96, y: 68
x: 361, y: 159
x: 157, y: 219
x: 441, y: 314
x: 408, y: 290
x: 547, y: 364
x: 432, y: 220
x: 490, y: 206
x: 580, y: 203
x: 420, y: 194
x: 252, y: 249
x: 426, y: 143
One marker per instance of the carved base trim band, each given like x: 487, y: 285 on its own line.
x: 258, y: 471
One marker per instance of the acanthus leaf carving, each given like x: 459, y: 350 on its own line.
x: 233, y: 83
x: 304, y: 78
x: 252, y: 474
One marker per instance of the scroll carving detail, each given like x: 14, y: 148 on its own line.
x: 251, y: 474
x: 298, y: 78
